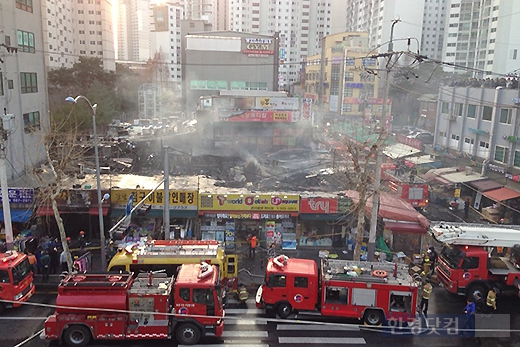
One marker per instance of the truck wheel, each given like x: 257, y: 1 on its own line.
x: 187, y: 334
x: 475, y: 290
x: 77, y: 336
x: 373, y: 317
x: 284, y: 310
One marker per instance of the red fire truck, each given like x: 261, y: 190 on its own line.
x: 16, y: 279
x: 474, y: 257
x: 369, y: 291
x: 416, y: 192
x: 115, y: 306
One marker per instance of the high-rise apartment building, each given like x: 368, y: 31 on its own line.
x: 483, y: 34
x: 421, y: 20
x: 301, y: 25
x: 23, y: 91
x: 74, y: 28
x: 133, y: 30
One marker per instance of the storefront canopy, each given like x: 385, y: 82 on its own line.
x: 405, y: 227
x: 394, y: 208
x: 485, y: 185
x: 502, y: 194
x: 463, y: 177
x: 18, y: 216
x: 400, y: 150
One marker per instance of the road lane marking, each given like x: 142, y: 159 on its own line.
x: 247, y: 333
x: 312, y: 327
x: 244, y: 311
x: 23, y: 318
x: 323, y: 340
x: 230, y: 345
x: 241, y: 321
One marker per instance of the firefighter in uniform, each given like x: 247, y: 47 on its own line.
x: 491, y: 301
x: 425, y: 295
x: 426, y: 265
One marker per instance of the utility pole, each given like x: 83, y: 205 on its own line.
x: 379, y: 152
x: 5, y: 189
x: 166, y: 211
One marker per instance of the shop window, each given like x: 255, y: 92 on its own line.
x: 184, y: 294
x: 400, y: 302
x: 301, y: 282
x: 277, y: 281
x: 336, y: 295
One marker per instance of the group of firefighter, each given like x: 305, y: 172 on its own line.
x: 429, y: 260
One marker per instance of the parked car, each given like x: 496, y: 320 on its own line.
x: 425, y: 137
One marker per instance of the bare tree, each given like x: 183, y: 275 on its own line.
x: 63, y: 153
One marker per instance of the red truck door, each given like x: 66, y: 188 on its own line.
x: 302, y: 295
x: 470, y: 271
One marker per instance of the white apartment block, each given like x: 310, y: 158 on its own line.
x: 134, y: 30
x: 483, y: 34
x: 165, y: 40
x: 301, y: 25
x: 74, y: 28
x: 421, y: 20
x: 23, y: 87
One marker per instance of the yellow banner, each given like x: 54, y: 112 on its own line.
x: 249, y: 202
x: 119, y: 197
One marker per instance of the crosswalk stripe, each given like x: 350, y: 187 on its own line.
x: 241, y: 321
x: 245, y: 333
x: 312, y: 327
x: 230, y: 345
x: 244, y: 311
x: 323, y: 340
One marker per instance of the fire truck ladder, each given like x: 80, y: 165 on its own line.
x: 473, y: 234
x: 179, y: 249
x: 377, y: 272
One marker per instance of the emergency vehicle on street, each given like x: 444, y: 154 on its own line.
x: 416, y: 192
x: 170, y: 254
x: 117, y: 306
x: 16, y: 279
x: 370, y: 291
x: 478, y: 257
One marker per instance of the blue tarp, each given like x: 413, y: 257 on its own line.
x: 19, y: 216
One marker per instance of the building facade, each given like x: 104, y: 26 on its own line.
x: 77, y: 28
x: 226, y: 60
x: 480, y: 123
x: 421, y: 20
x: 476, y: 38
x: 133, y: 30
x: 23, y: 91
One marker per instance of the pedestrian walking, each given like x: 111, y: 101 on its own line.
x: 468, y: 329
x: 32, y: 261
x: 63, y: 262
x: 425, y: 296
x: 466, y: 208
x: 252, y: 246
x: 45, y: 261
x: 55, y: 260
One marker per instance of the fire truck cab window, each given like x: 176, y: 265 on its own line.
x: 301, y: 282
x: 400, y: 303
x: 4, y: 276
x: 277, y: 281
x: 202, y: 296
x: 470, y: 263
x: 336, y: 295
x: 184, y: 294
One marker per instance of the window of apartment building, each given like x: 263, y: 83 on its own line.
x: 80, y: 1
x: 457, y: 109
x: 472, y: 111
x: 501, y: 154
x: 79, y: 22
x: 26, y: 41
x: 487, y: 113
x: 91, y: 22
x: 348, y: 92
x: 506, y: 115
x: 80, y: 11
x: 516, y: 159
x: 1, y: 84
x: 445, y: 107
x: 90, y: 12
x: 92, y: 42
x: 98, y: 22
x: 28, y: 82
x: 31, y: 122
x: 349, y: 77
x: 442, y: 134
x: 455, y: 137
x: 469, y: 141
x: 25, y: 5
x: 484, y: 144
x: 347, y: 107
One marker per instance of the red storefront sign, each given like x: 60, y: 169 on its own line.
x: 409, y: 141
x: 319, y: 205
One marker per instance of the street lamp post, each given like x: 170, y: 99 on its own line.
x: 98, y: 177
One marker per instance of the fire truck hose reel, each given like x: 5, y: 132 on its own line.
x: 380, y: 273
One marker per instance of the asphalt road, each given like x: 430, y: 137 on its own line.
x: 249, y: 327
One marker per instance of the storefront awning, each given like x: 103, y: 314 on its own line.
x: 332, y: 217
x: 400, y: 150
x: 155, y: 213
x: 18, y: 216
x: 94, y: 211
x: 410, y: 228
x: 502, y: 194
x: 485, y: 185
